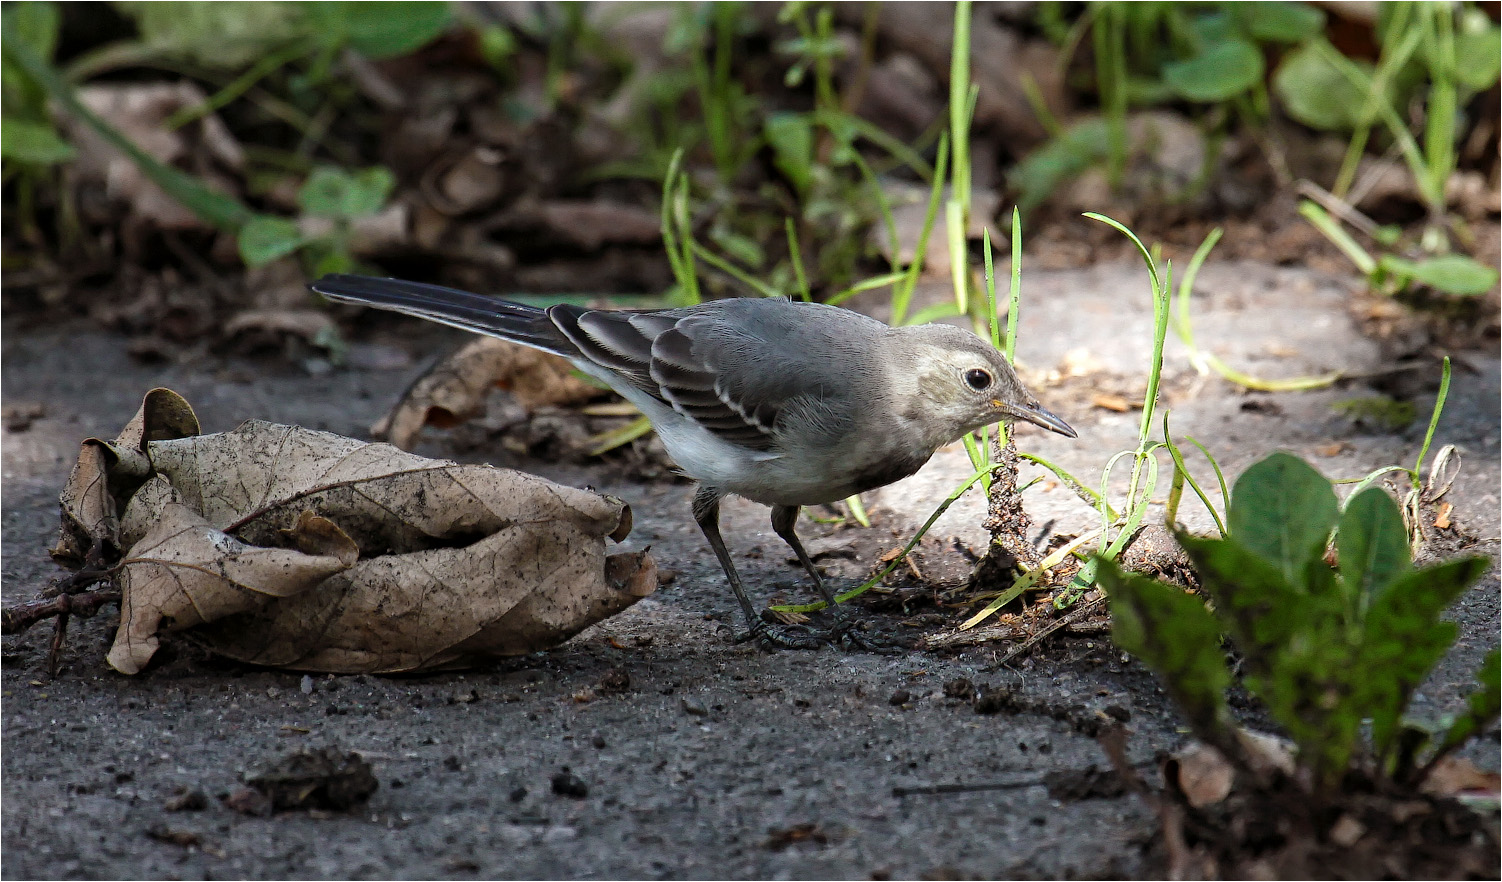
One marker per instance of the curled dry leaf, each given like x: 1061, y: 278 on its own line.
x: 188, y: 573
x: 283, y: 546
x: 455, y: 389
x: 110, y: 470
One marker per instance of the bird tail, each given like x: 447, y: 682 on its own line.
x: 516, y: 322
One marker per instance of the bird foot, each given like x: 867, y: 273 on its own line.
x: 772, y: 636
x: 848, y: 634
x: 845, y: 633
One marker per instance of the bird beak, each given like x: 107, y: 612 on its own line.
x: 1036, y: 415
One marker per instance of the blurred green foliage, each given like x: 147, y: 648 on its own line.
x: 1327, y: 649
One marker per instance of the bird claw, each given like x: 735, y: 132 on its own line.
x: 850, y: 636
x: 771, y: 636
x: 845, y: 634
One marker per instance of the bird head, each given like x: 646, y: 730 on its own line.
x: 963, y: 383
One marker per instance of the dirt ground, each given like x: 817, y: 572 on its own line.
x: 718, y: 760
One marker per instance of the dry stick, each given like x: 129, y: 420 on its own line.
x: 940, y: 789
x: 16, y: 619
x: 1074, y: 615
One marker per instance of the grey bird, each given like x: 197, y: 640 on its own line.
x: 784, y: 403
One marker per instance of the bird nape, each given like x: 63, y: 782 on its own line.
x: 782, y: 402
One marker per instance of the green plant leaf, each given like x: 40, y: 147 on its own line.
x: 1177, y: 637
x: 1316, y: 93
x: 1373, y: 548
x: 266, y: 238
x: 1478, y: 56
x: 1482, y: 707
x: 36, y: 23
x: 1063, y: 158
x: 792, y: 138
x: 1451, y: 273
x: 335, y: 192
x: 1260, y: 607
x: 1299, y: 654
x: 1405, y: 638
x: 1282, y: 510
x: 225, y: 35
x: 1281, y: 22
x: 381, y: 30
x: 37, y: 142
x: 1221, y: 72
x: 212, y: 206
x: 1214, y: 28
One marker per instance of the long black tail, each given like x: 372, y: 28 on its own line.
x: 517, y: 322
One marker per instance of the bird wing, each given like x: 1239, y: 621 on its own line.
x: 680, y: 357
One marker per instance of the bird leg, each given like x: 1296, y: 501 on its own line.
x: 784, y: 521
x: 707, y: 514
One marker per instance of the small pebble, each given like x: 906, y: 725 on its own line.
x: 307, y: 685
x: 566, y: 783
x: 694, y: 707
x: 960, y: 688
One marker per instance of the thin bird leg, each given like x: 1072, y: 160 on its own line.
x: 707, y: 514
x: 784, y: 521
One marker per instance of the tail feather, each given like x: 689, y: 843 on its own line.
x: 517, y: 322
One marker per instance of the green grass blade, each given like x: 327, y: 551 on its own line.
x: 1014, y: 299
x: 1439, y: 407
x: 796, y: 256
x: 217, y: 209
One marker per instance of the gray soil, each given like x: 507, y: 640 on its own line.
x: 718, y: 760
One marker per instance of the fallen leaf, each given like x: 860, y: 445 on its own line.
x: 286, y: 547
x: 1201, y: 774
x: 109, y: 470
x: 189, y: 573
x: 311, y: 325
x: 455, y: 389
x: 779, y: 839
x: 1111, y: 402
x: 1454, y: 775
x: 175, y: 836
x: 140, y: 112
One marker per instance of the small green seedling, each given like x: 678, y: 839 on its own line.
x: 1335, y: 651
x: 332, y: 198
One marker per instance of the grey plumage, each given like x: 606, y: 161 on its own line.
x: 784, y: 403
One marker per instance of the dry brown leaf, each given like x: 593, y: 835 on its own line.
x: 1442, y: 519
x: 188, y: 573
x: 1202, y: 775
x: 140, y: 112
x: 283, y: 546
x: 455, y: 389
x: 1454, y: 775
x: 1111, y: 402
x: 309, y: 324
x: 108, y: 471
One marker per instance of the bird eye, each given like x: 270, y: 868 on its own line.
x: 978, y: 379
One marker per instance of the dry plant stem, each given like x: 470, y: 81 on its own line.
x: 1112, y: 741
x: 1006, y: 521
x: 18, y: 618
x: 1073, y: 616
